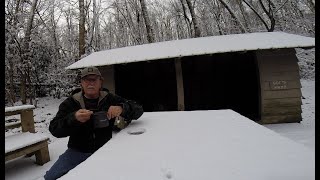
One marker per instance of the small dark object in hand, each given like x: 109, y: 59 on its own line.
x: 100, y: 119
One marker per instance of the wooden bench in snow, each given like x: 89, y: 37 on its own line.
x: 25, y: 143
x: 28, y: 142
x: 26, y: 117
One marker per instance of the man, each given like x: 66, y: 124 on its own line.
x: 75, y: 119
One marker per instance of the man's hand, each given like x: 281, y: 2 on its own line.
x: 83, y: 115
x: 114, y: 111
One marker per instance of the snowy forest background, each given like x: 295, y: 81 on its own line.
x: 42, y: 37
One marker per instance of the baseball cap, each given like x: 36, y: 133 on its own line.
x: 90, y: 70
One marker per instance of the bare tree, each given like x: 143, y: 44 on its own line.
x: 124, y: 23
x: 186, y: 18
x: 311, y: 5
x: 270, y: 10
x: 11, y: 66
x: 145, y: 14
x: 93, y: 24
x: 197, y: 32
x: 244, y: 14
x: 243, y: 30
x: 81, y: 29
x: 25, y: 64
x: 53, y: 25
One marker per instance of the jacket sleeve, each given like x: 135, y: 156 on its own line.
x: 131, y: 110
x: 64, y: 123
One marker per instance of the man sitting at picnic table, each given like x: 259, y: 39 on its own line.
x: 88, y: 117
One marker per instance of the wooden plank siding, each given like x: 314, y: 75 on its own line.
x: 284, y: 75
x: 287, y: 93
x: 281, y: 110
x: 280, y: 86
x: 283, y: 102
x: 281, y: 119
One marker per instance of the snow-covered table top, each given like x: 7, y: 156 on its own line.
x: 21, y: 140
x: 204, y: 145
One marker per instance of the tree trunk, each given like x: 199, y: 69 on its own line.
x: 93, y: 24
x: 216, y: 12
x: 29, y: 25
x: 243, y: 30
x: 11, y: 88
x: 269, y: 13
x: 25, y: 56
x: 258, y: 15
x: 23, y: 87
x: 244, y: 15
x: 15, y: 19
x: 150, y: 33
x: 11, y: 65
x: 31, y: 88
x: 53, y: 31
x: 197, y: 32
x: 81, y: 29
x: 311, y: 5
x: 186, y: 18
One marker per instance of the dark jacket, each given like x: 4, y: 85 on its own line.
x: 83, y: 137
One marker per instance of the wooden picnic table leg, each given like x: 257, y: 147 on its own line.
x: 42, y: 155
x: 27, y: 121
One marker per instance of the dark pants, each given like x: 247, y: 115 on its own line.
x: 67, y: 161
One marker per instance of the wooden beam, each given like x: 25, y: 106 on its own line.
x: 109, y: 79
x: 278, y: 110
x: 42, y: 155
x: 27, y: 122
x: 13, y: 125
x: 180, y: 89
x: 11, y: 113
x: 295, y: 118
x: 290, y: 93
x: 282, y: 102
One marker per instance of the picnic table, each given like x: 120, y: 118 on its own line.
x: 189, y: 145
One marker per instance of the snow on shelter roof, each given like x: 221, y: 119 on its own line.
x: 194, y: 46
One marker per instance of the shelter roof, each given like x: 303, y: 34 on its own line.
x: 193, y: 47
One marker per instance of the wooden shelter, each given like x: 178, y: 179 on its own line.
x: 255, y: 74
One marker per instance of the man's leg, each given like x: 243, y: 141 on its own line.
x: 67, y: 161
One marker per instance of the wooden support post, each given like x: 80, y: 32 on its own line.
x: 27, y: 121
x: 108, y: 74
x: 180, y: 90
x: 42, y: 155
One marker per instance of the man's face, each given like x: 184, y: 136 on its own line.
x: 91, y: 85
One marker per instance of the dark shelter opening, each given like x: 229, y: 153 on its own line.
x: 211, y: 82
x: 150, y: 83
x: 222, y: 81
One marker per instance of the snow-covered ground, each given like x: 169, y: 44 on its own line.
x: 25, y: 169
x: 303, y: 132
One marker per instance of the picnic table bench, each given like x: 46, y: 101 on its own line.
x: 28, y: 142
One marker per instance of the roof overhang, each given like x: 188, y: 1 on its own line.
x: 195, y: 46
